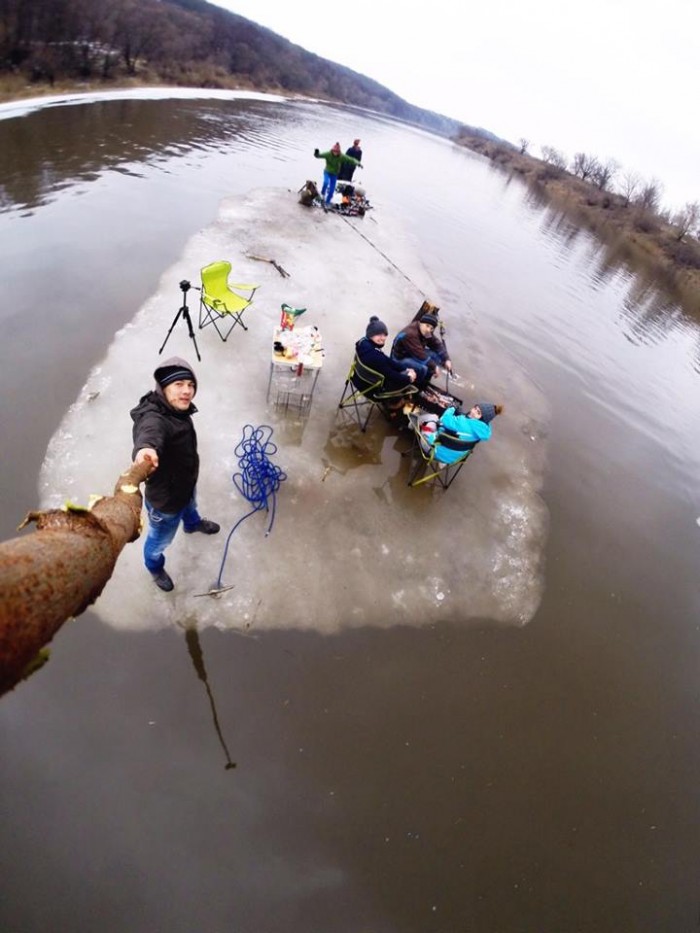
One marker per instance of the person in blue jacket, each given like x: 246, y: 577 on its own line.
x: 370, y: 352
x: 473, y: 427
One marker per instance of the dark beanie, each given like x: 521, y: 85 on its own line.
x: 429, y: 319
x: 375, y: 327
x: 488, y: 411
x: 173, y: 370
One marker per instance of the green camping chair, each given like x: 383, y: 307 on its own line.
x: 427, y: 463
x: 222, y: 304
x: 364, y: 390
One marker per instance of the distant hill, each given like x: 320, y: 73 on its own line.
x: 271, y: 62
x: 187, y: 43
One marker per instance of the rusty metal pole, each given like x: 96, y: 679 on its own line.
x: 57, y: 571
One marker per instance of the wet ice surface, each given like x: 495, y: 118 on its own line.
x: 351, y: 544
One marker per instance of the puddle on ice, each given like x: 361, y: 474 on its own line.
x: 351, y: 544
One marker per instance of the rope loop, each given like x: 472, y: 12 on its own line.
x: 257, y: 478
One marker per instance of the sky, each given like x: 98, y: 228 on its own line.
x: 617, y: 79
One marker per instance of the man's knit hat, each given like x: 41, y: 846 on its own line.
x: 172, y: 370
x: 429, y: 319
x: 375, y: 327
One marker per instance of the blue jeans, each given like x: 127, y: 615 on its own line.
x: 421, y: 367
x: 162, y: 527
x: 328, y: 185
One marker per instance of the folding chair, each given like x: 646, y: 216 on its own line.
x: 364, y: 390
x: 220, y: 300
x: 427, y: 464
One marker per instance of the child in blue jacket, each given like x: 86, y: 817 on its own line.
x: 473, y: 427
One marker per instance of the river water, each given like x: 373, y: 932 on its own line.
x: 484, y: 777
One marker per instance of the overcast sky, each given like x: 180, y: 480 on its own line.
x: 612, y: 78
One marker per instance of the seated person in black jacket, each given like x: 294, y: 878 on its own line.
x: 369, y: 350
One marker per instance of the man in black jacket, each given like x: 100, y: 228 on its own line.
x: 369, y: 350
x: 347, y: 169
x: 164, y: 436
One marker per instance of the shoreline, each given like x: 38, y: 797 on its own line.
x: 647, y: 242
x: 14, y: 89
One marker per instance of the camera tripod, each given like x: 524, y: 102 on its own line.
x: 185, y: 312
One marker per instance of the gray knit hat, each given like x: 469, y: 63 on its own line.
x: 172, y: 370
x: 488, y: 411
x: 429, y: 319
x: 375, y: 327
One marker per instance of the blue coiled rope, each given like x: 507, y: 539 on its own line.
x: 258, y: 479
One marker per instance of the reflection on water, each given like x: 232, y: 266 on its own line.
x: 51, y: 149
x: 556, y: 224
x: 194, y: 647
x: 649, y: 317
x: 617, y: 253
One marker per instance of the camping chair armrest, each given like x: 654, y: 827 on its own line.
x: 451, y: 442
x: 425, y: 447
x: 396, y: 393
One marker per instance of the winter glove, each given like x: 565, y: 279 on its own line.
x: 316, y: 153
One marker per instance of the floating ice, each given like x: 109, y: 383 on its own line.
x: 351, y: 544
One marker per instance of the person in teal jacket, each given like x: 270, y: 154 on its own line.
x: 473, y: 427
x: 334, y: 159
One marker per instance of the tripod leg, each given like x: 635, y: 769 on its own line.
x: 186, y: 313
x: 175, y: 320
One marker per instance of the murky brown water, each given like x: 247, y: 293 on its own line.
x: 451, y: 778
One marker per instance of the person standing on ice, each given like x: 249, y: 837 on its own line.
x: 346, y: 170
x: 164, y: 436
x: 334, y: 159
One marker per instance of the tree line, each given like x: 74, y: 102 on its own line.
x: 180, y: 42
x: 608, y: 175
x: 608, y: 197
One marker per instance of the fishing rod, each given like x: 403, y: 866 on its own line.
x: 448, y: 374
x: 383, y: 255
x: 441, y: 328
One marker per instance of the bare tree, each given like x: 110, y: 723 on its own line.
x: 554, y: 157
x: 630, y: 185
x: 523, y: 143
x: 650, y: 195
x: 603, y: 173
x: 584, y: 165
x: 687, y: 219
x: 136, y: 32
